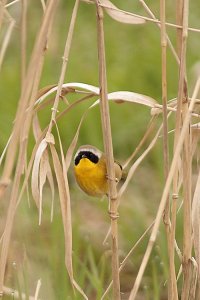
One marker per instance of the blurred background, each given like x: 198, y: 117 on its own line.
x: 133, y: 56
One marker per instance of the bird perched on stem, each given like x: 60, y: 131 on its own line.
x: 90, y: 171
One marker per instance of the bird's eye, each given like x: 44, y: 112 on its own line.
x: 94, y: 158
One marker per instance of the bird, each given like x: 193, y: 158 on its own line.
x: 90, y: 171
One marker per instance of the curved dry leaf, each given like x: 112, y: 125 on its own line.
x: 119, y: 15
x: 132, y: 97
x: 36, y: 127
x: 35, y: 172
x: 71, y: 85
x: 126, y: 96
x: 82, y: 86
x: 62, y: 189
x: 51, y: 184
x: 72, y: 146
x: 44, y: 174
x: 44, y: 90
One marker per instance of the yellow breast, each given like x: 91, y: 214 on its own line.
x: 91, y: 177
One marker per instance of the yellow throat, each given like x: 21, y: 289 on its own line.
x: 91, y: 177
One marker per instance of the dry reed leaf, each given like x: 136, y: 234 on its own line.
x: 36, y: 170
x: 27, y: 92
x: 126, y: 96
x: 63, y: 201
x: 21, y: 128
x: 66, y: 216
x: 73, y: 87
x: 44, y: 174
x: 121, y: 96
x: 119, y: 15
x: 118, y: 97
x: 72, y: 146
x: 45, y: 90
x: 29, y: 168
x: 44, y: 161
x: 36, y: 128
x: 45, y: 169
x: 67, y: 223
x: 6, y: 40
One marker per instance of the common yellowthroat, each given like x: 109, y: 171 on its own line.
x: 90, y: 171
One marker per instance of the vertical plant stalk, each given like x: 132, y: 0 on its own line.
x: 179, y: 21
x: 172, y: 286
x: 25, y: 95
x: 178, y: 120
x: 65, y: 199
x: 65, y: 63
x: 159, y: 25
x: 123, y: 263
x: 164, y: 101
x: 2, y: 11
x: 108, y: 147
x: 23, y: 39
x: 187, y: 163
x: 172, y: 170
x: 21, y: 129
x: 182, y: 108
x: 7, y: 37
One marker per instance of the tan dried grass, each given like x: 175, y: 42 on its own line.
x: 177, y: 172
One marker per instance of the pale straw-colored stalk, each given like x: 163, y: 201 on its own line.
x: 2, y: 11
x: 175, y: 187
x: 172, y: 286
x: 7, y: 37
x: 147, y: 9
x: 153, y: 20
x: 183, y: 6
x: 108, y: 147
x: 26, y: 92
x: 123, y: 263
x: 21, y: 130
x: 165, y: 193
x: 23, y: 39
x: 65, y: 63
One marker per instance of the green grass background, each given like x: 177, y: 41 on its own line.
x: 133, y: 56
